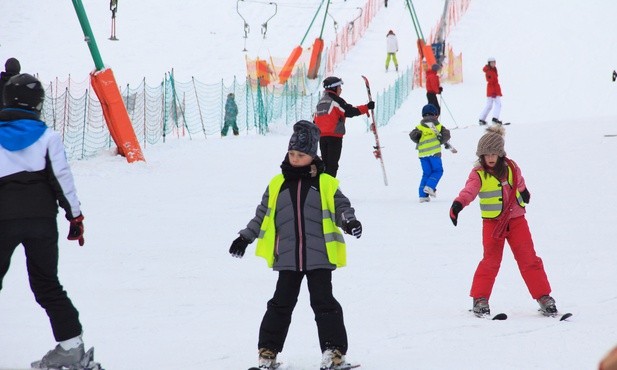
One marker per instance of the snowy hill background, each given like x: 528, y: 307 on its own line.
x: 154, y: 284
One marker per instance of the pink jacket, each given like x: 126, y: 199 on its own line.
x: 474, y: 183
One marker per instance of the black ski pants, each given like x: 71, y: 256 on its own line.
x: 432, y: 99
x: 39, y: 237
x: 331, y: 148
x: 328, y: 312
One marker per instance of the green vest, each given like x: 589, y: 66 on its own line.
x: 428, y: 144
x: 491, y: 194
x: 335, y: 244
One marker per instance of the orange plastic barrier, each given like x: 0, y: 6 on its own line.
x: 426, y: 51
x: 263, y: 72
x: 289, y: 64
x: 117, y: 118
x: 313, y: 69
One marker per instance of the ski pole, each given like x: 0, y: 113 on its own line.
x: 448, y: 109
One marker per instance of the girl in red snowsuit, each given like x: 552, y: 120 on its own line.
x: 499, y: 183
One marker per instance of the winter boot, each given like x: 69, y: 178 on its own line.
x: 480, y: 307
x: 267, y: 359
x: 332, y: 359
x: 430, y: 191
x: 482, y: 122
x: 497, y: 121
x: 547, y: 305
x: 425, y: 199
x: 58, y: 358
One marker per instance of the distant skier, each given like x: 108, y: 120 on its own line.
x: 391, y: 49
x: 493, y: 93
x: 499, y: 183
x: 297, y: 227
x: 614, y: 76
x: 329, y: 116
x: 433, y: 87
x: 113, y: 6
x: 11, y: 68
x: 429, y: 150
x: 231, y: 112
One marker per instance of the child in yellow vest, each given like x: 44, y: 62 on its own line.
x: 297, y: 227
x: 499, y: 183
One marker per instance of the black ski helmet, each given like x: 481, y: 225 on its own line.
x: 24, y: 91
x: 332, y: 82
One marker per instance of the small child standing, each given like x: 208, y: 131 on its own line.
x: 499, y: 183
x: 297, y: 227
x: 429, y: 135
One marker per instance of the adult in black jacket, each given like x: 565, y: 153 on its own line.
x: 11, y: 68
x: 34, y: 178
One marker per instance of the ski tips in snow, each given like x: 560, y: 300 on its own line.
x: 500, y: 316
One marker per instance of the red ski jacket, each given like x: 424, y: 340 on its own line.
x: 432, y: 82
x: 492, y: 81
x: 331, y: 112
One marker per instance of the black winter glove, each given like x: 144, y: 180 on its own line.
x: 238, y: 247
x: 526, y: 196
x: 440, y: 89
x: 454, y: 210
x: 353, y: 227
x: 370, y: 105
x: 76, y: 229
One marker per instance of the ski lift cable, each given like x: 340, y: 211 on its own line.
x: 312, y: 21
x: 323, y: 24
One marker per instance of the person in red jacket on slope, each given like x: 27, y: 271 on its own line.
x: 433, y: 87
x: 493, y: 93
x: 329, y: 116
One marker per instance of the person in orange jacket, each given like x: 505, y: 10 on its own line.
x: 493, y: 93
x: 329, y: 116
x: 433, y: 87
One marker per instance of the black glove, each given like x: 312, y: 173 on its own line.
x: 454, y: 210
x: 440, y: 89
x: 353, y: 227
x: 76, y: 229
x: 238, y: 247
x: 526, y: 196
x: 370, y: 105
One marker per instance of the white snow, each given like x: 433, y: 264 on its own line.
x: 154, y: 283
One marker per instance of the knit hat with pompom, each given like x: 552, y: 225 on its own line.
x: 492, y: 142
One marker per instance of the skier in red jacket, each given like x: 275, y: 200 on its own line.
x: 329, y: 116
x: 433, y: 87
x: 493, y: 93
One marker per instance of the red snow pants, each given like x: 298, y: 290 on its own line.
x: 529, y: 264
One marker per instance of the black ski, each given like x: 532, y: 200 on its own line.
x: 562, y: 317
x: 499, y: 317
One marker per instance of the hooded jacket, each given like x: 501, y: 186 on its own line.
x: 493, y: 89
x: 34, y: 174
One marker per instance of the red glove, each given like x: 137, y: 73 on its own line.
x: 76, y: 229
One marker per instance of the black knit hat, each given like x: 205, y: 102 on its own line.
x: 12, y: 66
x: 305, y: 138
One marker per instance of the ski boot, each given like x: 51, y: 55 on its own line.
x: 267, y: 359
x: 497, y: 121
x: 72, y: 359
x: 482, y: 122
x: 333, y: 359
x: 547, y: 305
x: 481, y: 307
x: 425, y: 199
x: 430, y: 191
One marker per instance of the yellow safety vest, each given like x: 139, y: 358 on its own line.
x: 428, y: 144
x: 491, y: 194
x: 335, y: 243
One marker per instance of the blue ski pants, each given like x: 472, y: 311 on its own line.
x: 432, y: 170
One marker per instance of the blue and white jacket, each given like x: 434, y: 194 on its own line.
x: 35, y: 176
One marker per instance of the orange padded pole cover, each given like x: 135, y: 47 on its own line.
x: 116, y: 116
x: 289, y: 64
x: 313, y: 69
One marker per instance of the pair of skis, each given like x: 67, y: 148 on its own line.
x: 502, y: 316
x: 278, y: 364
